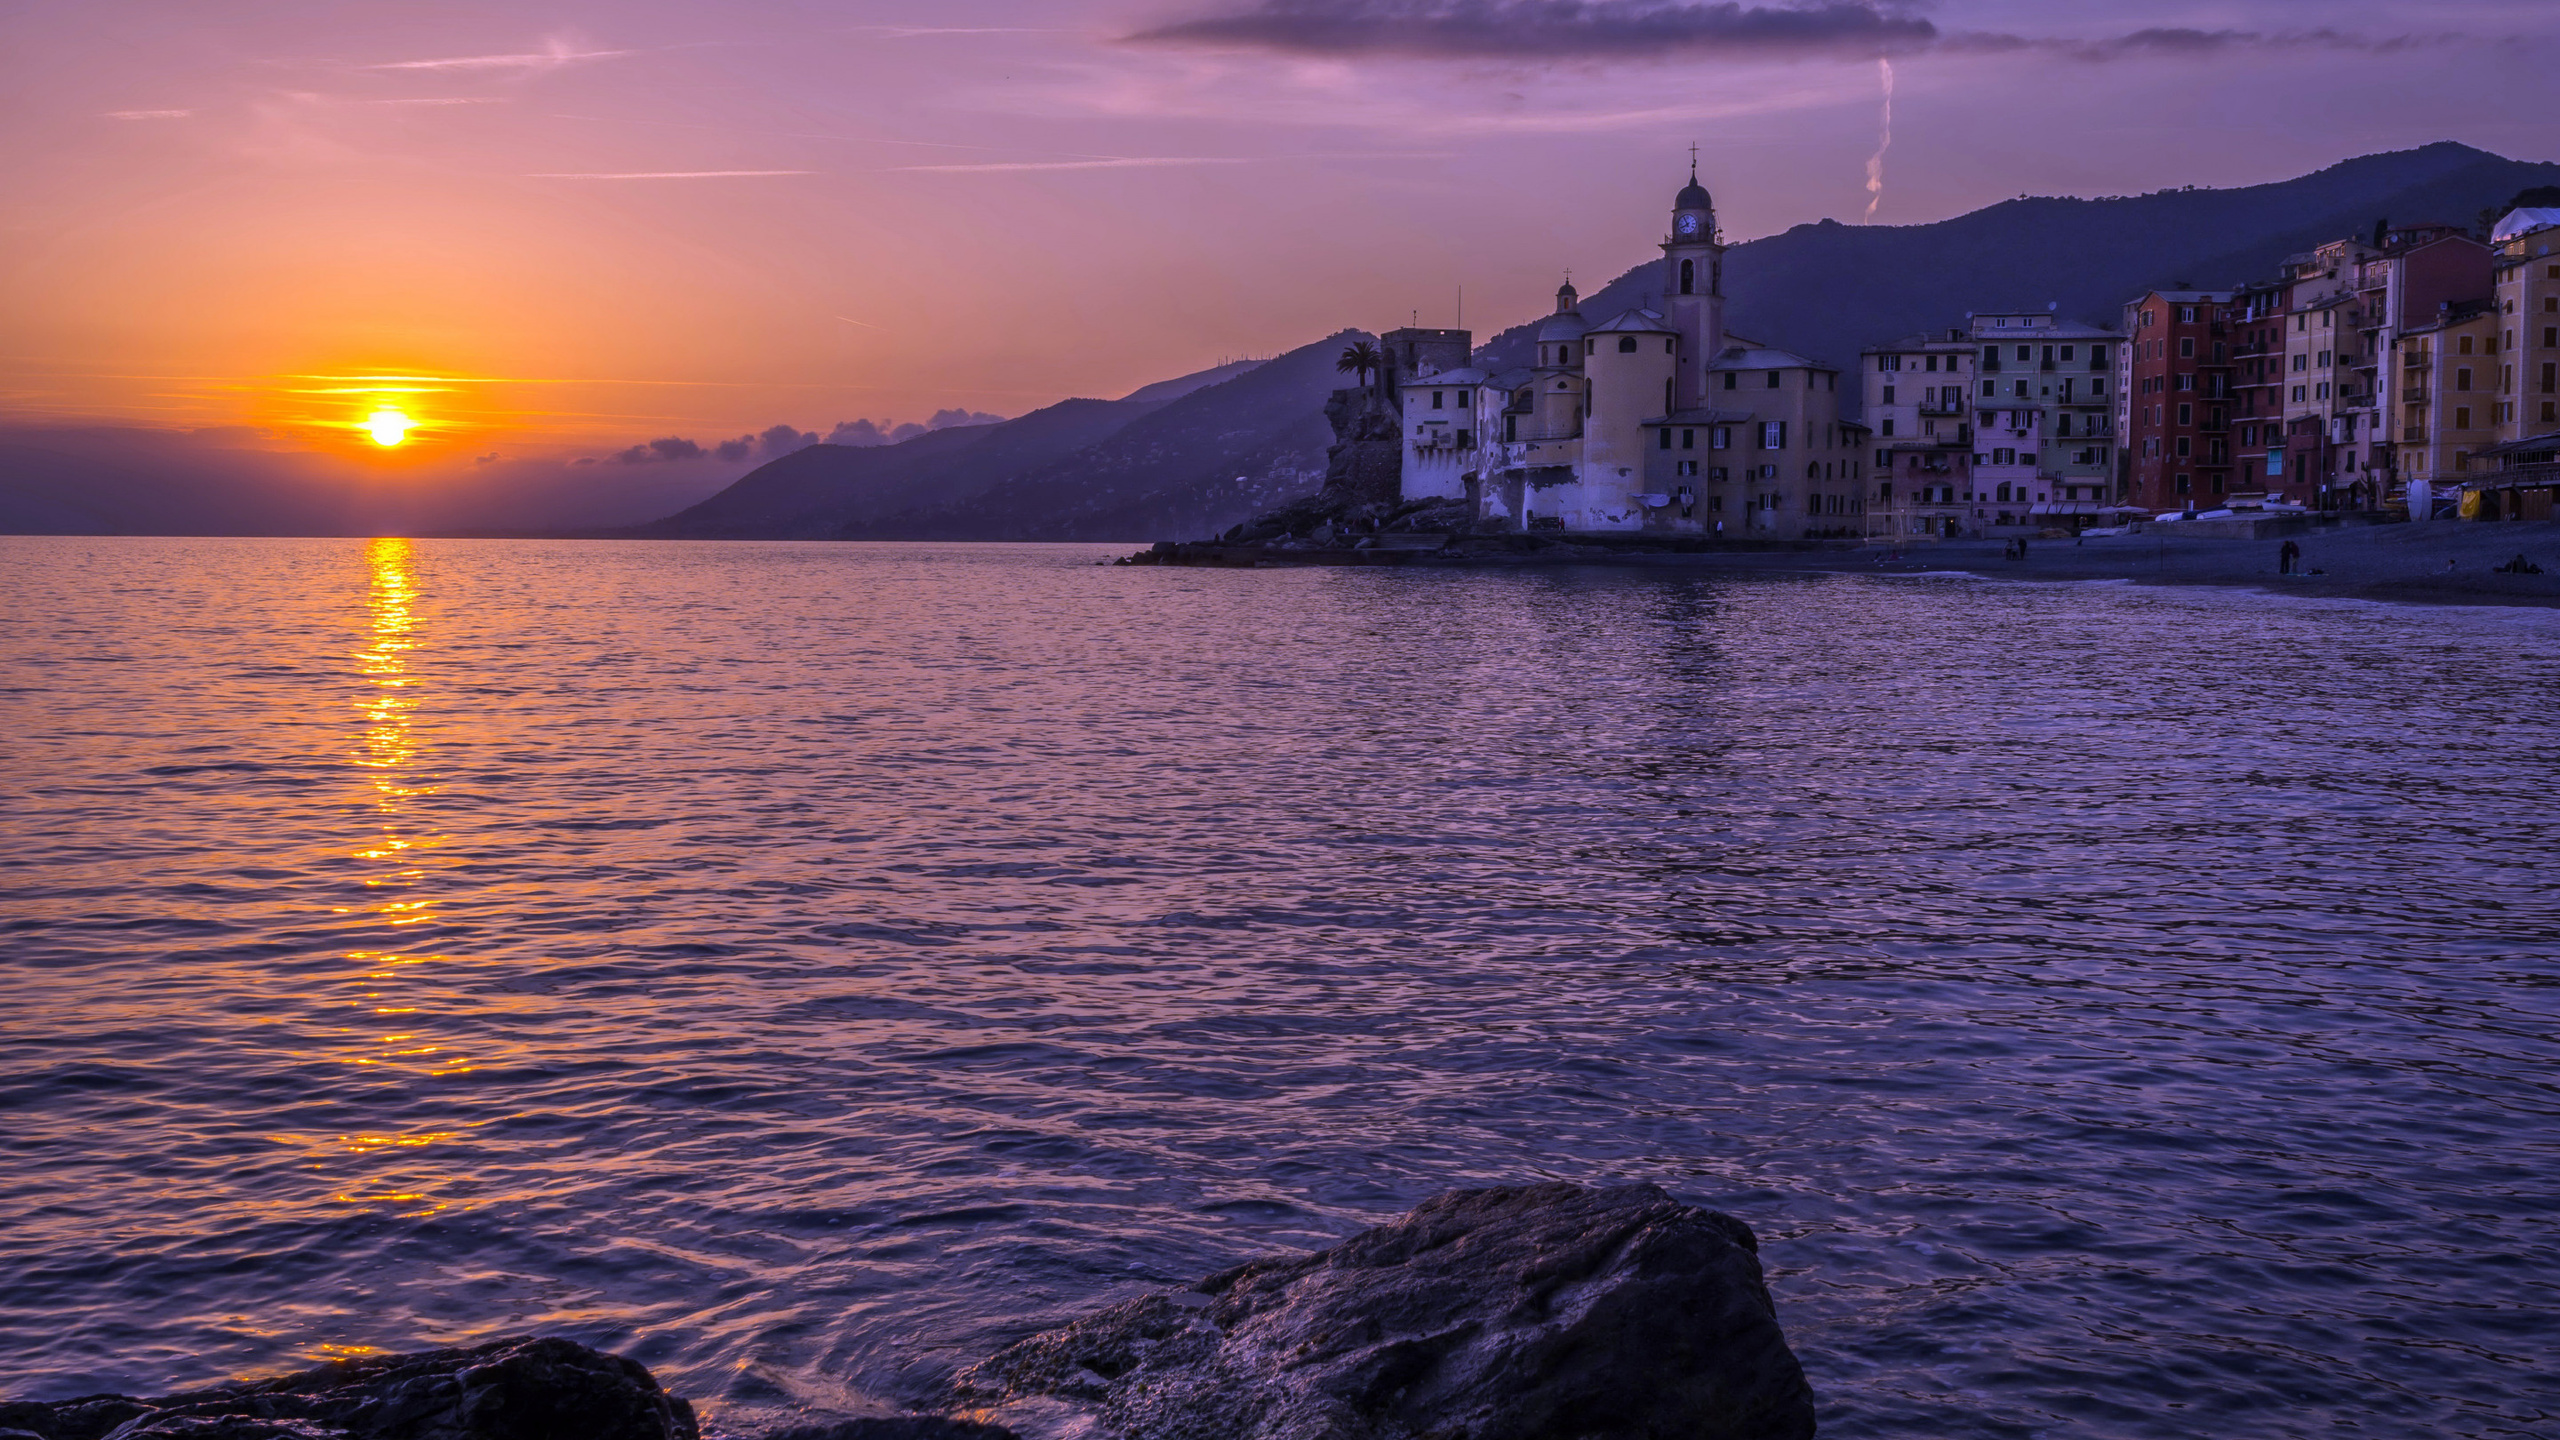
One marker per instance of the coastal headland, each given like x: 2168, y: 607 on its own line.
x: 2440, y: 562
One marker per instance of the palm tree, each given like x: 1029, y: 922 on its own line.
x: 1359, y: 359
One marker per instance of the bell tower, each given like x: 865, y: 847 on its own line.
x: 1693, y: 284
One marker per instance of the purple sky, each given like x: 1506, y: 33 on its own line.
x: 571, y: 226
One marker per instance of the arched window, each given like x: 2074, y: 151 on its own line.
x: 1688, y: 277
x: 1626, y: 344
x: 1813, y: 471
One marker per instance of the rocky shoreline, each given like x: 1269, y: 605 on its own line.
x: 1542, y: 1312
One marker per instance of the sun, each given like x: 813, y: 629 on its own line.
x: 389, y: 427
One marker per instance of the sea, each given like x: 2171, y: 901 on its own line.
x: 2120, y: 1011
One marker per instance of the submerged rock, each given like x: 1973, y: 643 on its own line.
x: 1544, y: 1312
x: 507, y: 1390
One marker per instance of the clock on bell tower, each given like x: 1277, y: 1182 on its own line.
x: 1693, y: 284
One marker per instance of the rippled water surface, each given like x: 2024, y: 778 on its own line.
x: 2122, y: 1012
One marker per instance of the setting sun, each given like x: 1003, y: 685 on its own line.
x: 389, y: 427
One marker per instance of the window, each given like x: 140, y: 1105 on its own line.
x: 1688, y: 439
x: 2322, y: 390
x: 1688, y: 277
x: 1590, y: 347
x: 1888, y: 395
x: 2186, y: 314
x: 1730, y: 379
x: 2301, y: 362
x: 1462, y: 399
x: 2066, y: 352
x: 2185, y: 485
x: 1887, y: 431
x: 2020, y: 388
x: 1626, y: 344
x: 1773, y: 434
x: 2462, y: 379
x: 1773, y: 378
x: 1990, y: 388
x: 2186, y: 414
x: 1888, y: 363
x: 2026, y: 353
x: 1932, y: 363
x: 2551, y: 335
x: 1666, y: 439
x: 2186, y: 347
x: 2297, y: 394
x: 1435, y: 399
x: 2462, y: 417
x: 1720, y: 438
x: 2186, y: 447
x: 2464, y: 345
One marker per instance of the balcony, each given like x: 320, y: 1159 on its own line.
x: 2414, y: 435
x: 2414, y: 395
x: 1941, y: 407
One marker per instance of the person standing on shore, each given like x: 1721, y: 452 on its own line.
x: 2288, y: 557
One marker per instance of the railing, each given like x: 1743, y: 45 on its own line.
x: 2413, y: 435
x: 1941, y: 407
x: 2413, y: 395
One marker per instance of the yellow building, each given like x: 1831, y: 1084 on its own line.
x: 2446, y: 375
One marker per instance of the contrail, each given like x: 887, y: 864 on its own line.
x: 1884, y: 142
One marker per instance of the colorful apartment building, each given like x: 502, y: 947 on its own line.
x: 2175, y: 400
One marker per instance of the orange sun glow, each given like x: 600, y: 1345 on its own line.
x: 389, y: 427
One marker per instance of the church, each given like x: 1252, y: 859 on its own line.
x: 1655, y: 418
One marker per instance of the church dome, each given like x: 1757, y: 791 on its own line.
x: 1562, y: 327
x: 1694, y: 196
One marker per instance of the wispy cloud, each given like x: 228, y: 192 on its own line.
x: 1117, y: 162
x: 149, y: 114
x: 658, y: 174
x: 444, y: 100
x: 910, y: 32
x: 550, y: 57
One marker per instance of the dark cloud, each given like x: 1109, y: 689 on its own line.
x: 2174, y: 42
x: 737, y: 449
x: 781, y: 440
x: 671, y: 448
x: 862, y: 434
x: 1527, y: 29
x: 1633, y: 29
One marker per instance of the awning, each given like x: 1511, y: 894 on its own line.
x: 2066, y: 507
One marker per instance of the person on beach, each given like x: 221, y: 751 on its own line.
x: 2288, y: 557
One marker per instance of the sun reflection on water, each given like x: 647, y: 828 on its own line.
x: 396, y: 849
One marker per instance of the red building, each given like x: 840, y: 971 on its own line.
x: 2176, y: 399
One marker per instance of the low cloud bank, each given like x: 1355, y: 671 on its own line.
x: 782, y: 440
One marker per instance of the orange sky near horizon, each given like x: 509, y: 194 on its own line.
x: 568, y: 228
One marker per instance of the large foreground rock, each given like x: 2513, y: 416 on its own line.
x: 1545, y: 1312
x: 506, y: 1390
